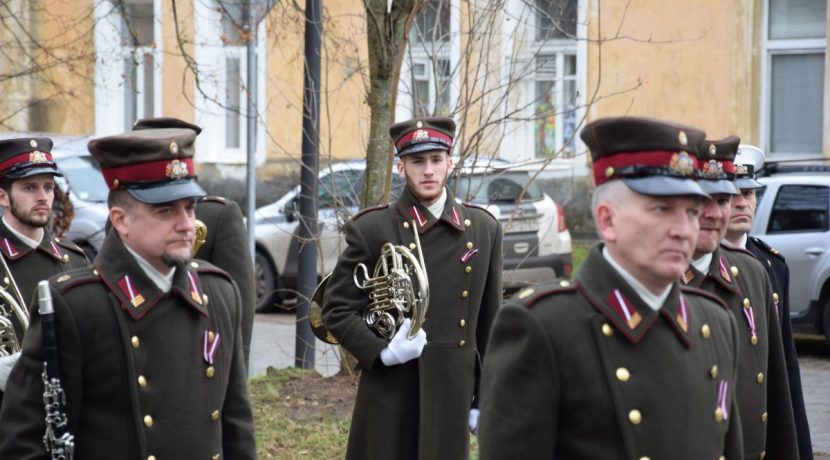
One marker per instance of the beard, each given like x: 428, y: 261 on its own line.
x: 24, y: 218
x: 172, y: 260
x: 432, y: 197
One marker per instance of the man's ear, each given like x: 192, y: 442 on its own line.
x: 401, y: 170
x: 120, y: 220
x: 4, y: 199
x: 605, y: 217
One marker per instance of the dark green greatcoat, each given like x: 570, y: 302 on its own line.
x: 763, y: 392
x: 419, y: 409
x: 569, y: 375
x: 136, y: 378
x: 226, y: 246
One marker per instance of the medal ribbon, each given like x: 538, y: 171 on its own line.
x: 468, y: 255
x: 209, y: 347
x: 749, y: 312
x: 723, y: 388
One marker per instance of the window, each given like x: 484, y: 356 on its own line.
x: 432, y: 25
x: 427, y: 76
x: 794, y: 83
x: 555, y: 19
x: 431, y: 88
x: 800, y: 208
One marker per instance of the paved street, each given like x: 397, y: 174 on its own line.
x: 273, y: 345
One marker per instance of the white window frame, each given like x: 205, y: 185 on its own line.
x: 110, y: 80
x: 211, y: 58
x: 777, y: 47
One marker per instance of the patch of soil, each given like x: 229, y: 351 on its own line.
x: 311, y: 396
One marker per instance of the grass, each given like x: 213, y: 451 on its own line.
x: 579, y: 250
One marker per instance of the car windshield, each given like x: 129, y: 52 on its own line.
x: 497, y: 187
x: 84, y: 177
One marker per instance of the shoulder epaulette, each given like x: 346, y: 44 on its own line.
x: 369, y: 209
x: 66, y: 243
x: 530, y: 295
x: 214, y: 199
x: 73, y: 278
x: 767, y: 248
x: 475, y: 206
x: 702, y: 293
x: 734, y: 249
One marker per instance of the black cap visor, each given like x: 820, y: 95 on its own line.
x: 423, y: 147
x: 748, y: 183
x: 20, y: 173
x: 167, y: 192
x: 664, y: 186
x: 713, y: 187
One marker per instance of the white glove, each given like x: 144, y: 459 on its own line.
x: 6, y: 365
x: 401, y: 349
x: 472, y: 420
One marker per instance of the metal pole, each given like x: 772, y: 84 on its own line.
x: 250, y: 112
x: 307, y: 269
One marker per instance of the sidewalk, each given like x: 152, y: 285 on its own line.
x: 273, y: 345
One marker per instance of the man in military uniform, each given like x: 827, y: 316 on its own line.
x: 624, y: 362
x: 27, y: 191
x: 739, y: 280
x: 749, y: 160
x: 149, y: 340
x: 226, y: 242
x: 416, y: 400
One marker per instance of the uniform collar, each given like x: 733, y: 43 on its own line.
x: 619, y: 303
x: 719, y: 270
x: 14, y: 248
x: 136, y: 292
x: 412, y: 210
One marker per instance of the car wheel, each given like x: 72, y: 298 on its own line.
x: 265, y: 284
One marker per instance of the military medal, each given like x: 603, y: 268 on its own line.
x: 722, y: 412
x: 209, y: 346
x: 468, y: 255
x: 749, y: 313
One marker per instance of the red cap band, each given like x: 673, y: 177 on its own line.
x: 35, y: 157
x: 152, y: 171
x: 606, y: 168
x: 422, y: 135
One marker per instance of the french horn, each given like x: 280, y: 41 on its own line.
x: 12, y: 307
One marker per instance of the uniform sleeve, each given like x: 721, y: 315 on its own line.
x: 22, y: 418
x: 781, y: 437
x: 490, y: 304
x: 519, y: 391
x: 345, y: 302
x: 238, y: 440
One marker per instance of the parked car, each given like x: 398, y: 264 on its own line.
x: 793, y: 216
x: 537, y: 242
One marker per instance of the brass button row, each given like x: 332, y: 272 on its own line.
x: 705, y: 331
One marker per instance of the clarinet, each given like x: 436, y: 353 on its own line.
x: 59, y: 442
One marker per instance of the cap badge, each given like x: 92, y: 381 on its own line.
x: 713, y: 169
x: 681, y: 137
x: 37, y: 157
x: 712, y: 150
x: 176, y: 169
x: 33, y: 143
x: 609, y: 171
x: 174, y: 148
x: 420, y: 135
x: 741, y: 170
x: 419, y: 124
x: 681, y: 163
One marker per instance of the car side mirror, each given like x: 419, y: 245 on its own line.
x: 290, y: 210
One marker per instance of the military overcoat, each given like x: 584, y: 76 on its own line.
x: 589, y: 371
x: 779, y: 274
x: 419, y: 409
x: 226, y: 246
x: 147, y: 374
x: 763, y: 393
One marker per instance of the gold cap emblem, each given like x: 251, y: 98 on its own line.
x: 681, y: 137
x: 419, y: 124
x: 712, y: 150
x: 609, y: 171
x: 33, y: 143
x: 174, y: 148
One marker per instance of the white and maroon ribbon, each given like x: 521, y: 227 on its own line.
x: 55, y: 251
x: 11, y: 249
x: 683, y: 315
x: 209, y: 347
x: 417, y: 215
x: 749, y: 313
x: 723, y: 396
x: 455, y: 217
x: 194, y: 289
x: 468, y: 255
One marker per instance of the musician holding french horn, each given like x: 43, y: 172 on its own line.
x: 413, y: 297
x: 30, y: 252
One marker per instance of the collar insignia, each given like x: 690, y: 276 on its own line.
x: 136, y: 299
x: 682, y: 316
x: 624, y: 309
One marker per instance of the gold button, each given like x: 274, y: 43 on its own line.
x: 734, y: 270
x: 461, y: 343
x: 609, y: 171
x: 412, y: 246
x: 115, y: 183
x: 95, y: 272
x: 705, y: 332
x: 205, y: 298
x: 194, y: 265
x: 66, y: 257
x: 718, y: 415
x: 214, y: 415
x: 406, y: 224
x: 623, y: 375
x: 468, y: 269
x: 746, y: 303
x: 722, y: 457
x: 565, y: 283
x: 760, y: 377
x: 6, y: 280
x: 215, y: 457
x: 462, y: 323
x: 775, y: 296
x: 148, y: 421
x: 467, y: 222
x: 607, y: 330
x: 635, y: 417
x: 210, y: 372
x: 764, y: 417
x: 135, y: 342
x: 464, y: 294
x: 713, y: 372
x: 211, y: 336
x: 142, y: 381
x: 151, y: 457
x: 754, y: 340
x: 469, y: 245
x: 645, y: 458
x: 763, y: 455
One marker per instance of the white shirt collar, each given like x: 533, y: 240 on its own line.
x: 25, y: 239
x: 162, y: 281
x: 741, y: 243
x: 653, y: 301
x: 437, y: 208
x: 702, y: 263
